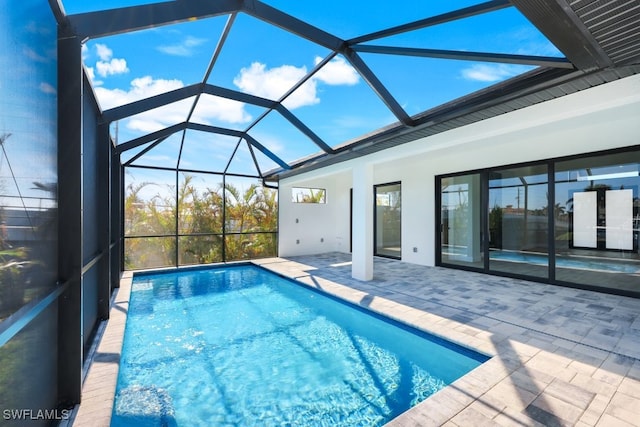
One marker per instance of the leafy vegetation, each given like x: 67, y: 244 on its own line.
x: 308, y: 195
x: 13, y: 261
x: 196, y: 226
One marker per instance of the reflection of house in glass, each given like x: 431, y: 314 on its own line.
x: 603, y: 219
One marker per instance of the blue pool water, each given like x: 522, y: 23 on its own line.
x: 241, y: 346
x: 631, y: 266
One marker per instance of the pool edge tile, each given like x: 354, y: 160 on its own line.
x: 99, y: 387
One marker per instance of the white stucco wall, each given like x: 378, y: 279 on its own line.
x: 600, y: 118
x: 307, y: 228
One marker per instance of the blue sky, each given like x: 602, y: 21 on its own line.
x: 337, y: 104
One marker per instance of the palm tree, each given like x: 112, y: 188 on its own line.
x: 316, y: 195
x: 248, y: 214
x: 250, y: 226
x: 134, y: 209
x: 200, y: 224
x: 268, y: 208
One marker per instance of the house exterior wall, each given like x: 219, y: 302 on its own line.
x: 600, y: 118
x: 308, y: 228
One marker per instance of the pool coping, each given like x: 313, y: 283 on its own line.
x: 102, y: 365
x: 498, y: 392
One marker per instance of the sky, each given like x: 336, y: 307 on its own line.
x: 337, y: 104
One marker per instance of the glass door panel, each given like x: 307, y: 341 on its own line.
x: 387, y: 220
x: 461, y: 219
x: 519, y: 221
x: 597, y: 222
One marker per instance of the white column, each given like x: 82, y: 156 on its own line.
x: 362, y: 226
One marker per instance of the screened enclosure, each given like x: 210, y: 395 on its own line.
x: 182, y: 218
x: 140, y: 134
x: 28, y: 207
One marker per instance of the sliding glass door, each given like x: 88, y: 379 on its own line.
x: 388, y: 220
x: 572, y: 221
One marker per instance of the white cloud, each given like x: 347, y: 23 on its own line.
x: 104, y: 52
x: 142, y: 87
x: 108, y: 65
x: 226, y: 110
x: 115, y: 66
x: 273, y: 83
x: 491, y: 73
x: 209, y: 107
x: 147, y: 123
x: 47, y: 88
x: 184, y: 48
x: 337, y: 72
x: 304, y: 95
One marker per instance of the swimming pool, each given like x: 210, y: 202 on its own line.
x: 242, y: 346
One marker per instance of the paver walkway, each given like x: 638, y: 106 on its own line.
x: 560, y: 356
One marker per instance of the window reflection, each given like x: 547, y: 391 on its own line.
x: 594, y: 212
x: 518, y: 221
x: 596, y: 233
x: 461, y: 218
x: 388, y: 215
x: 308, y: 195
x: 28, y: 137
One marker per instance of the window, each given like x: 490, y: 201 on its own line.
x: 308, y: 195
x: 387, y: 220
x: 572, y: 220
